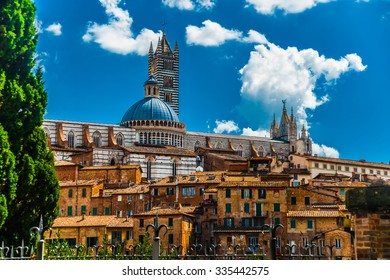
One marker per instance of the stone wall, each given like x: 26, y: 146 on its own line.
x: 371, y: 214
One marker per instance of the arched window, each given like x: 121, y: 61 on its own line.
x: 174, y: 168
x: 261, y: 151
x: 119, y: 139
x: 149, y: 169
x: 219, y: 145
x: 168, y: 97
x: 197, y: 145
x: 168, y: 82
x: 97, y: 138
x: 112, y: 162
x: 71, y: 139
x: 239, y: 150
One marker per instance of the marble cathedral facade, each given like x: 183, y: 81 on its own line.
x: 159, y: 142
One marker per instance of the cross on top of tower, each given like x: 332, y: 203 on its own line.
x: 163, y: 25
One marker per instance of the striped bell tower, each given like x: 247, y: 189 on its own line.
x: 163, y: 64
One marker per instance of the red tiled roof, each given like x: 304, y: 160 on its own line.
x: 138, y: 189
x: 79, y: 183
x: 92, y: 221
x: 347, y: 161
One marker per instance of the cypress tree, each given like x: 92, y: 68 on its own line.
x: 23, y: 101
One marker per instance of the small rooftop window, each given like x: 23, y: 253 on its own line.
x: 192, y: 178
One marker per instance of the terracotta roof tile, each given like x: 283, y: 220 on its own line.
x: 253, y: 184
x: 64, y: 163
x: 160, y: 150
x: 138, y: 189
x: 79, y: 183
x: 110, y: 167
x: 195, y: 178
x: 346, y: 161
x: 92, y: 221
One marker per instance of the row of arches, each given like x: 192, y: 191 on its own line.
x: 155, y: 123
x: 161, y: 138
x: 96, y: 139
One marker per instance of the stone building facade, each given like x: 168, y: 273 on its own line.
x: 151, y: 135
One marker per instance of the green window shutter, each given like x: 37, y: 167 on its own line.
x: 307, y: 200
x: 292, y: 224
x: 310, y: 224
x: 107, y: 211
x: 83, y: 209
x: 228, y: 208
x: 246, y: 207
x: 84, y: 192
x: 141, y: 222
x: 228, y: 193
x: 276, y: 207
x: 69, y: 211
x: 170, y: 238
x: 258, y: 209
x: 94, y: 211
x: 293, y: 200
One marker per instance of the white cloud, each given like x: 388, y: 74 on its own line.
x: 255, y: 37
x: 212, y: 34
x: 273, y: 74
x: 189, y: 4
x: 180, y: 4
x: 55, y: 28
x: 38, y: 25
x: 39, y: 59
x: 324, y: 151
x: 208, y: 4
x: 225, y: 126
x: 268, y: 7
x: 116, y: 35
x: 258, y: 133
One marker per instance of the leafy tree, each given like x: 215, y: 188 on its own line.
x: 8, y: 176
x: 23, y: 101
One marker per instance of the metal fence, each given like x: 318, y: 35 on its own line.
x: 60, y: 250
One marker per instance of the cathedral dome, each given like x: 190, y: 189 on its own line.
x: 150, y: 108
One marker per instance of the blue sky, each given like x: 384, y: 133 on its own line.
x: 238, y: 60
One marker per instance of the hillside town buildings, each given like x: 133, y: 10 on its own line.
x: 116, y: 179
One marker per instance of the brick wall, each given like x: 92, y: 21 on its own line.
x: 372, y: 236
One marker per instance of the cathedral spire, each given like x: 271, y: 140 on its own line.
x: 303, y: 132
x: 165, y: 68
